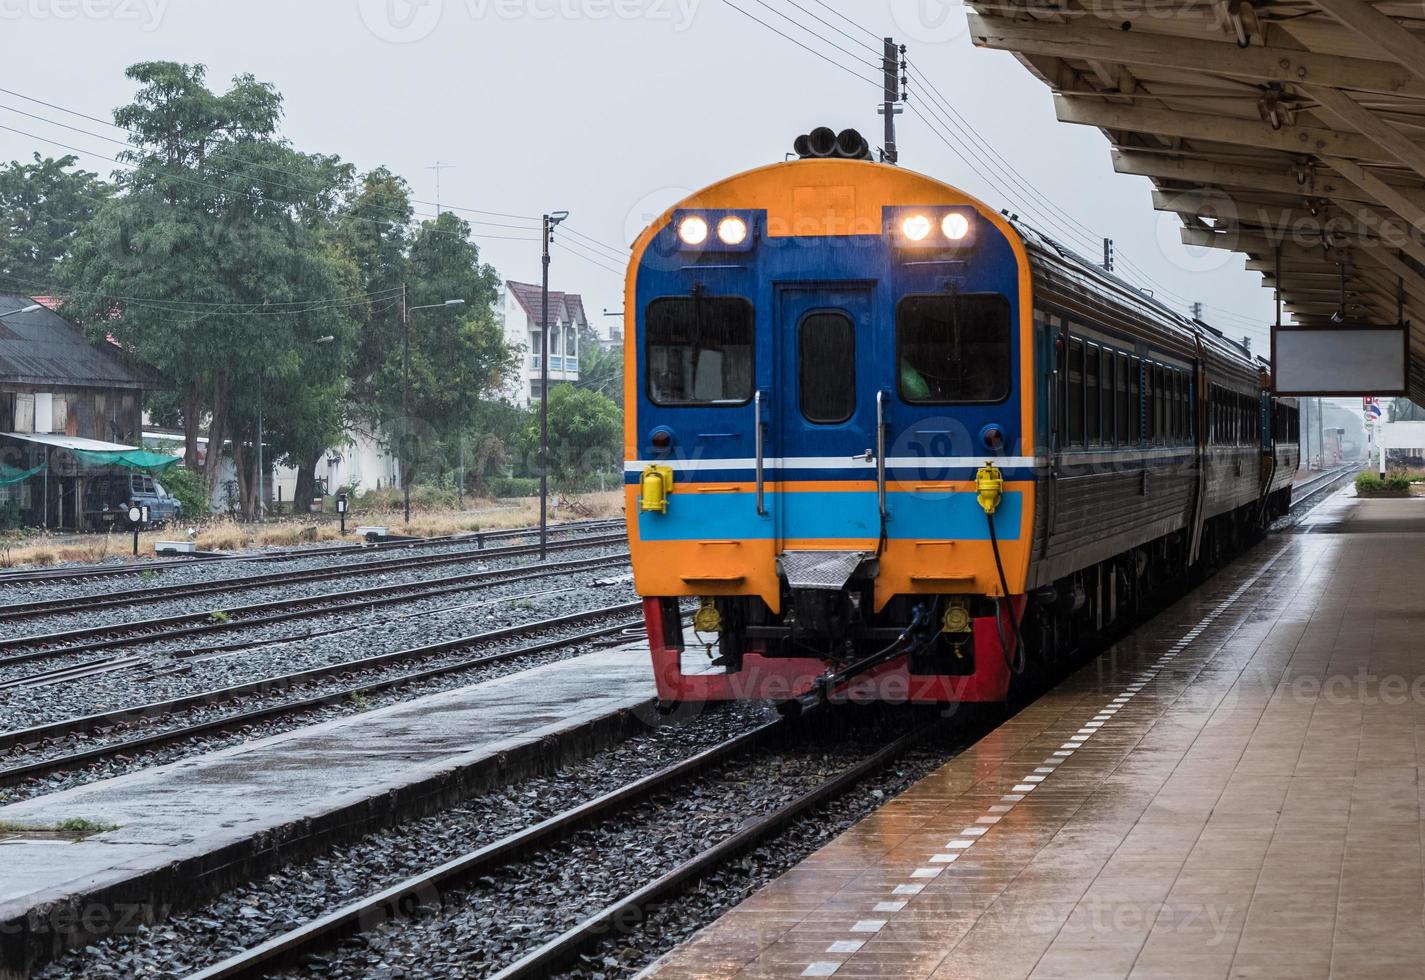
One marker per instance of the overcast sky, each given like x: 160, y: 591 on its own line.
x: 611, y: 109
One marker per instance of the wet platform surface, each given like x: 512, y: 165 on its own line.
x: 237, y: 799
x: 1233, y: 792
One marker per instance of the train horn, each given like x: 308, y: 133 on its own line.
x: 824, y: 142
x: 852, y: 145
x: 821, y: 142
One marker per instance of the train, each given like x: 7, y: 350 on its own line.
x: 887, y: 443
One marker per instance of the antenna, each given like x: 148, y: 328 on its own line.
x: 438, y: 168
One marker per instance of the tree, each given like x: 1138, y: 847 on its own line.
x: 457, y: 355
x: 585, y: 435
x: 43, y: 205
x: 213, y: 266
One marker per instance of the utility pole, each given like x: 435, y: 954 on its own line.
x: 405, y: 400
x: 258, y: 476
x: 550, y: 220
x: 1197, y: 311
x: 1108, y: 255
x: 892, y: 67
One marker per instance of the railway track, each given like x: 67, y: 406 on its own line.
x: 184, y: 625
x: 109, y: 600
x: 479, y: 538
x: 593, y: 625
x: 419, y: 893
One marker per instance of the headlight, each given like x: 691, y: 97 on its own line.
x: 732, y: 230
x: 693, y: 230
x: 916, y: 227
x: 956, y: 226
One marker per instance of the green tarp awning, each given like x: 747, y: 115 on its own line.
x: 134, y: 459
x: 9, y: 474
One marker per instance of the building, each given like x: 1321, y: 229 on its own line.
x: 64, y: 401
x: 519, y: 307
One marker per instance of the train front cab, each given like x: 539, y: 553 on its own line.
x: 808, y: 407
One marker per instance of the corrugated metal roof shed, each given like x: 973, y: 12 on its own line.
x: 41, y: 347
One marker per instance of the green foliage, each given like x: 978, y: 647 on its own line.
x: 220, y: 231
x: 83, y: 825
x: 512, y: 486
x: 1368, y: 482
x: 585, y: 435
x: 600, y: 370
x: 188, y: 487
x: 219, y: 616
x: 427, y: 496
x: 43, y: 206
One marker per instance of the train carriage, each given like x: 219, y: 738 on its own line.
x: 892, y: 444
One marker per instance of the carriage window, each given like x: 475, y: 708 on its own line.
x: 1150, y: 404
x: 1075, y: 388
x: 826, y: 358
x: 699, y: 351
x: 953, y: 348
x: 1092, y: 413
x: 1135, y: 404
x: 1125, y: 410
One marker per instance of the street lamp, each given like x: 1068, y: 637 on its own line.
x: 550, y: 221
x: 28, y: 309
x: 261, y: 475
x: 406, y: 312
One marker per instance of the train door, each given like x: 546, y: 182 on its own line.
x: 826, y: 419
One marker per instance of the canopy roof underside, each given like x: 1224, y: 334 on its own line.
x: 1292, y: 131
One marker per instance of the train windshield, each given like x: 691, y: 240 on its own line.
x: 699, y: 351
x: 953, y: 348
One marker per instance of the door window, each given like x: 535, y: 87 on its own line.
x: 826, y: 357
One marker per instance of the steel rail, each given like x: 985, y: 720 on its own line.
x: 195, y: 624
x: 404, y: 899
x: 400, y: 900
x: 73, y: 760
x: 282, y: 682
x: 164, y: 593
x: 39, y: 576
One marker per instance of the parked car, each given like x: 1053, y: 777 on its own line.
x: 107, y: 499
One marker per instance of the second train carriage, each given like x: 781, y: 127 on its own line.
x: 896, y: 445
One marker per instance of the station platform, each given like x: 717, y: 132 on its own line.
x: 185, y: 830
x: 1232, y: 792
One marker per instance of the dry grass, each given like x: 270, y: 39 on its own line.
x: 226, y: 534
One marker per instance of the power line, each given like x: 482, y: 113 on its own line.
x: 211, y: 186
x: 825, y: 40
x: 572, y: 250
x: 828, y: 59
x: 620, y: 255
x: 877, y: 51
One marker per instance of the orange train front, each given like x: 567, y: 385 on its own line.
x: 853, y: 450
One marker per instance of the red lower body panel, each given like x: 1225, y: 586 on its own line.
x: 778, y: 678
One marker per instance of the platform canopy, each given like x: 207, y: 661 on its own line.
x: 1292, y: 131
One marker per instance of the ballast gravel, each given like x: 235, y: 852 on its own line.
x: 281, y: 648
x: 304, y: 890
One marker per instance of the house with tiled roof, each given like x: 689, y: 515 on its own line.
x: 520, y: 309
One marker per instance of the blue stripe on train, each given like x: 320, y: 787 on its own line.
x: 923, y: 516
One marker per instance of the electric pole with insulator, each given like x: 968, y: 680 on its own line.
x: 892, y: 70
x: 1108, y: 255
x: 550, y: 220
x: 1197, y: 311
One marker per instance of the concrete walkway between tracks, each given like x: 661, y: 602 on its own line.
x: 1232, y: 792
x: 188, y: 829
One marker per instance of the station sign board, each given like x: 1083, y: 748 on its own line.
x: 1339, y: 360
